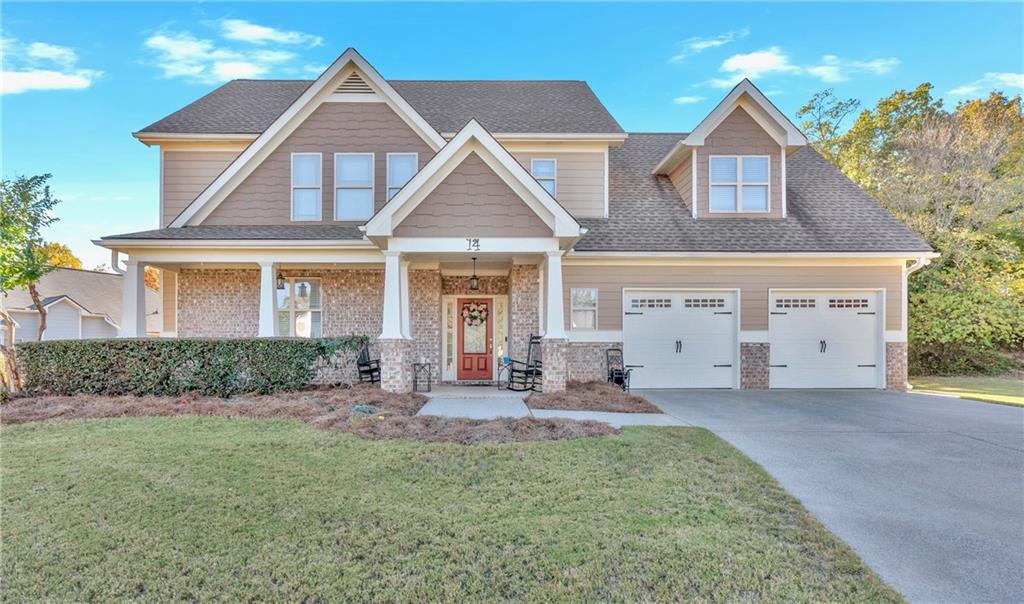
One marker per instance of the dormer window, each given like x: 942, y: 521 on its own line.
x: 544, y: 170
x: 739, y: 183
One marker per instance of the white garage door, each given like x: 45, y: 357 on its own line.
x: 680, y: 339
x: 825, y: 339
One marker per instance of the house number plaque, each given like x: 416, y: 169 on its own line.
x: 472, y: 244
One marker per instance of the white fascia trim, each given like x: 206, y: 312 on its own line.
x: 123, y: 244
x: 498, y: 159
x: 644, y: 255
x: 502, y: 245
x: 751, y: 336
x: 595, y: 335
x: 675, y: 154
x: 606, y: 183
x: 792, y: 135
x: 553, y: 137
x: 290, y: 119
x: 155, y: 138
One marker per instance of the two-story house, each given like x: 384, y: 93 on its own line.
x: 450, y: 220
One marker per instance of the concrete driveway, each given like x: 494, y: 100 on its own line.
x: 928, y: 490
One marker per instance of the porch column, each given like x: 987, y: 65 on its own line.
x: 133, y: 300
x: 268, y: 287
x: 395, y: 349
x: 554, y: 345
x: 404, y: 282
x: 391, y: 326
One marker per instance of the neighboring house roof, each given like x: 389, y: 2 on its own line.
x: 96, y: 293
x: 826, y: 212
x: 502, y: 106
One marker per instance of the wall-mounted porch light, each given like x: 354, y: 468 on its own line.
x: 474, y: 281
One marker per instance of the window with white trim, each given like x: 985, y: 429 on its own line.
x: 401, y: 169
x: 739, y: 183
x: 545, y: 171
x: 306, y: 196
x: 300, y: 309
x: 353, y: 186
x: 583, y: 306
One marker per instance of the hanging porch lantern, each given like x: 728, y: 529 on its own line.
x: 474, y: 281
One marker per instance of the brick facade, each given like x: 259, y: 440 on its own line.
x: 896, y: 365
x: 524, y: 311
x: 218, y: 303
x: 425, y: 319
x: 754, y: 365
x: 458, y: 285
x: 553, y: 355
x: 586, y: 361
x: 396, y: 359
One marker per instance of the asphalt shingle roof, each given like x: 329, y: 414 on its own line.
x: 312, y: 232
x: 548, y: 106
x: 826, y: 212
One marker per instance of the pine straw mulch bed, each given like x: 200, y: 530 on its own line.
x: 381, y: 415
x: 592, y: 396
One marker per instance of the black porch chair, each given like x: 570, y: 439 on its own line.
x: 618, y: 373
x: 526, y: 375
x: 369, y: 369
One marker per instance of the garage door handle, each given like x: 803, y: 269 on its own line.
x: 778, y: 313
x: 723, y: 312
x: 634, y: 366
x: 721, y: 365
x: 865, y: 313
x: 778, y: 365
x: 872, y: 365
x: 634, y: 313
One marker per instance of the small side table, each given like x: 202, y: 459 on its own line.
x: 421, y: 377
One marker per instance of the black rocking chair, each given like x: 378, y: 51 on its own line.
x: 618, y: 373
x: 526, y: 375
x: 369, y: 369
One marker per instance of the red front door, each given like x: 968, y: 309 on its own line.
x: 475, y: 335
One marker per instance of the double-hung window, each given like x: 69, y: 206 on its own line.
x: 401, y: 168
x: 306, y: 195
x: 353, y: 186
x: 545, y: 172
x: 583, y: 304
x: 299, y: 309
x: 739, y: 183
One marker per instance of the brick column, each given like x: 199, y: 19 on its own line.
x: 523, y: 308
x: 554, y: 353
x: 395, y: 364
x: 896, y: 365
x: 754, y: 365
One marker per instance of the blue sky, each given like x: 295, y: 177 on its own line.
x: 79, y: 78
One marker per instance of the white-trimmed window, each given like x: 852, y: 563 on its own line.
x: 353, y: 186
x: 583, y: 308
x: 307, y: 200
x: 739, y: 183
x: 300, y: 308
x: 546, y: 172
x: 401, y: 169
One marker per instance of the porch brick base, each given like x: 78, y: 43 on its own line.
x: 553, y: 354
x: 587, y: 361
x: 395, y: 365
x: 896, y: 366
x: 754, y: 365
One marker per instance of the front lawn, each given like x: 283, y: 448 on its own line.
x: 1008, y: 390
x: 201, y: 508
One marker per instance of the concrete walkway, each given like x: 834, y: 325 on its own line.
x: 487, y: 402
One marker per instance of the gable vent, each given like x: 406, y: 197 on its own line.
x: 354, y: 84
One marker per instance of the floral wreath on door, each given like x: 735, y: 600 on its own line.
x: 474, y: 313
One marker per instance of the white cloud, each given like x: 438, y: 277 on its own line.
x: 181, y: 54
x: 773, y: 61
x: 992, y: 80
x: 239, y: 29
x: 687, y: 100
x: 41, y: 66
x: 696, y: 44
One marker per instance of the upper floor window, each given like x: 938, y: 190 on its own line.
x: 584, y: 308
x: 306, y: 195
x: 353, y: 186
x: 401, y: 168
x: 299, y: 309
x: 545, y: 171
x: 739, y: 183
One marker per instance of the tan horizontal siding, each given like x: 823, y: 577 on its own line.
x: 579, y: 180
x: 753, y: 282
x: 186, y: 174
x: 264, y: 197
x: 682, y: 179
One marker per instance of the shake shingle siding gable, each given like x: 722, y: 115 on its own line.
x: 543, y: 106
x: 826, y: 212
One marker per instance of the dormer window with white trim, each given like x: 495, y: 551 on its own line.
x: 739, y: 183
x: 306, y: 196
x: 353, y: 186
x: 546, y: 172
x: 401, y: 169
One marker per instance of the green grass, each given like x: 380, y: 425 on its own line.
x: 202, y: 508
x: 1004, y: 390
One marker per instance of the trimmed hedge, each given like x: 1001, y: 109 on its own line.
x: 171, y: 367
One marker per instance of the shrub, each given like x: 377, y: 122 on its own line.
x: 171, y: 367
